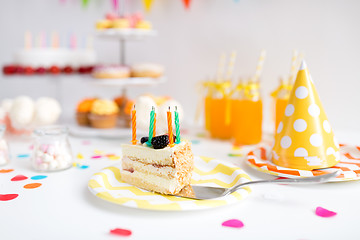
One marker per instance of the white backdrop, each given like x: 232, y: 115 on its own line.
x: 190, y: 42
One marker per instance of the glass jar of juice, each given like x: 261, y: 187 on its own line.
x: 246, y: 115
x: 219, y: 111
x: 209, y: 88
x: 281, y: 98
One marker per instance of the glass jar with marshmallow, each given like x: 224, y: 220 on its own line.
x: 52, y: 150
x: 4, y: 148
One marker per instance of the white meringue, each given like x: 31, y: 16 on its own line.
x: 47, y: 111
x: 21, y: 113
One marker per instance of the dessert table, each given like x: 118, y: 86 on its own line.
x: 64, y: 208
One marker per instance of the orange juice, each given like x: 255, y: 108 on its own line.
x: 246, y: 121
x: 280, y: 106
x: 218, y: 126
x: 207, y: 112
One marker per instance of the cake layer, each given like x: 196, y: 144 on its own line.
x: 152, y: 182
x: 148, y: 155
x: 158, y: 170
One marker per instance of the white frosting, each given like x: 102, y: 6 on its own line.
x: 147, y: 168
x: 148, y: 67
x: 150, y: 155
x: 61, y: 57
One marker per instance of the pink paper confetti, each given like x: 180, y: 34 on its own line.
x: 8, y: 197
x: 322, y: 212
x: 86, y: 142
x: 233, y: 223
x: 96, y: 156
x: 120, y: 232
x: 19, y: 178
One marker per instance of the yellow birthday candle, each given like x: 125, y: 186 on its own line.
x: 304, y: 138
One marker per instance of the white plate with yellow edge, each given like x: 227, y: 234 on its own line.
x: 107, y: 185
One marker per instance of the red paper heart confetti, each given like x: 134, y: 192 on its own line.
x: 6, y: 170
x: 279, y: 178
x: 8, y: 197
x: 233, y: 223
x: 32, y: 185
x: 322, y: 212
x: 120, y: 232
x: 19, y: 178
x: 96, y: 156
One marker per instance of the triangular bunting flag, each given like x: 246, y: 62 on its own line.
x: 147, y: 5
x: 187, y: 4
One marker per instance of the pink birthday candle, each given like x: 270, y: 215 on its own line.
x: 42, y: 40
x: 73, y: 41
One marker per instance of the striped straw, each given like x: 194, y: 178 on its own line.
x: 220, y: 70
x: 293, y: 65
x: 231, y: 66
x: 259, y: 67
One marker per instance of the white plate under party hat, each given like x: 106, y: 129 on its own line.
x: 349, y: 165
x: 108, y: 186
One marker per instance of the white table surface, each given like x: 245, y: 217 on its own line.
x: 63, y: 207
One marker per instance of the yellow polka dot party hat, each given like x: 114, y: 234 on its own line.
x: 304, y: 138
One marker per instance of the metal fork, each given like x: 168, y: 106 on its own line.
x: 203, y: 192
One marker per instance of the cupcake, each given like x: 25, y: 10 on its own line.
x: 103, y: 114
x: 82, y: 111
x: 125, y: 106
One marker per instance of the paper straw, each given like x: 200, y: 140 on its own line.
x: 220, y: 70
x: 259, y: 67
x: 293, y: 67
x: 231, y: 66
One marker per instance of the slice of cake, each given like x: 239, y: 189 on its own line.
x: 164, y: 170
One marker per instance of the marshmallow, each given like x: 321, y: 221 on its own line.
x: 52, y: 157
